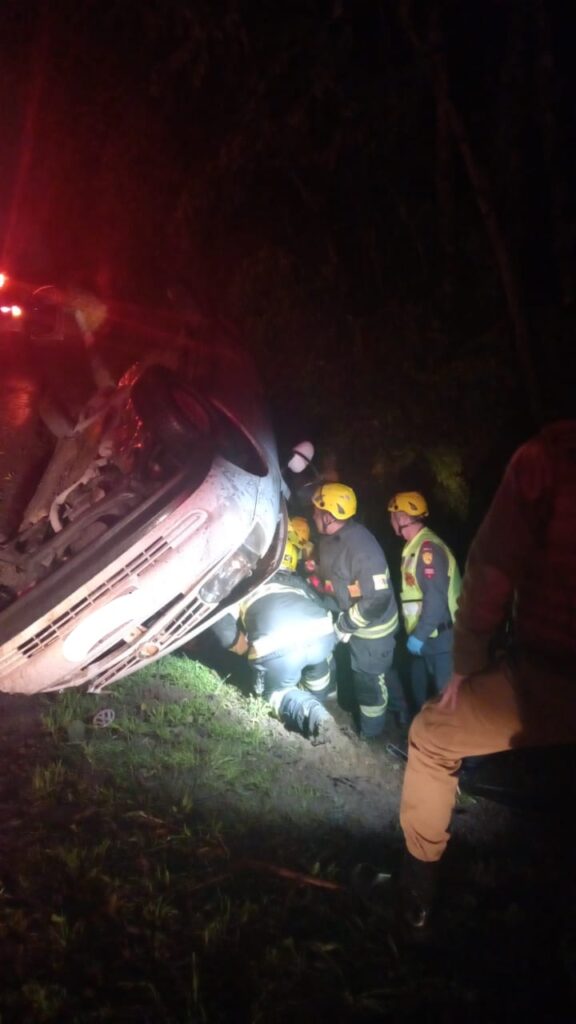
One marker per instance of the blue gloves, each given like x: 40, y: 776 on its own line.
x: 414, y: 645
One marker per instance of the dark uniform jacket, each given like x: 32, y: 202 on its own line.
x: 355, y: 574
x: 284, y: 610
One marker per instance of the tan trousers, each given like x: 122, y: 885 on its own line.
x: 502, y: 709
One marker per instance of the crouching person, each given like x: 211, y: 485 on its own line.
x: 288, y: 638
x: 522, y: 559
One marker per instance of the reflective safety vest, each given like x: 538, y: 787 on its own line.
x: 411, y: 594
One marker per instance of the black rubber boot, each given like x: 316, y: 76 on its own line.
x: 301, y: 712
x: 417, y: 885
x: 320, y: 724
x: 369, y: 884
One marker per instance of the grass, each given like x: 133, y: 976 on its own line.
x: 159, y: 726
x: 144, y: 882
x: 48, y: 779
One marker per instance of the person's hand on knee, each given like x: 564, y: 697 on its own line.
x: 449, y: 696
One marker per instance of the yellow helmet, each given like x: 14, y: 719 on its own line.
x: 298, y: 531
x: 411, y: 502
x: 290, y: 557
x: 338, y: 499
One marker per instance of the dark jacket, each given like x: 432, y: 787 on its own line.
x: 355, y: 573
x: 276, y: 616
x: 524, y: 558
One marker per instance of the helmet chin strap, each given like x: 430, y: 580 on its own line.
x: 413, y: 522
x: 328, y: 522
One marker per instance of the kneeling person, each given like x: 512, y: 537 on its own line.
x: 288, y: 637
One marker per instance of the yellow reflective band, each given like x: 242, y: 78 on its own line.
x: 355, y: 616
x: 318, y: 684
x: 377, y: 632
x: 373, y: 711
x: 262, y: 591
x: 383, y: 689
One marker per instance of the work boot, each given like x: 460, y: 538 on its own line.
x: 397, y: 729
x: 417, y: 886
x: 321, y: 725
x: 301, y: 712
x: 369, y: 884
x: 370, y: 730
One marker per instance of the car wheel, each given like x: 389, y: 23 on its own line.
x: 172, y: 412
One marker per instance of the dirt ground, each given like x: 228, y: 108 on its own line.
x: 343, y: 785
x: 197, y: 823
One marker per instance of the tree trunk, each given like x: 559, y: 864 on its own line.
x: 436, y: 62
x: 444, y: 172
x: 546, y: 106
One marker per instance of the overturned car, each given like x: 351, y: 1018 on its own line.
x: 162, y: 507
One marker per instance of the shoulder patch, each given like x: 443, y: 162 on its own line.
x: 380, y: 581
x: 427, y: 557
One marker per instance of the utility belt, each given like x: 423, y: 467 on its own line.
x: 411, y: 611
x: 443, y: 627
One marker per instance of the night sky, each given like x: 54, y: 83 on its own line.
x: 379, y: 195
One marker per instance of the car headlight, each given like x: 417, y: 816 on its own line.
x: 235, y: 569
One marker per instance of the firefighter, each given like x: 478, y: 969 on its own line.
x: 523, y: 560
x: 299, y: 535
x: 430, y: 588
x: 356, y: 581
x: 288, y: 637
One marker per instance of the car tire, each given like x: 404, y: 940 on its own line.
x: 172, y: 412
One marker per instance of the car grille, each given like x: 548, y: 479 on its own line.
x: 114, y: 585
x: 169, y: 631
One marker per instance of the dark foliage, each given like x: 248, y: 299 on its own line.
x: 377, y: 194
